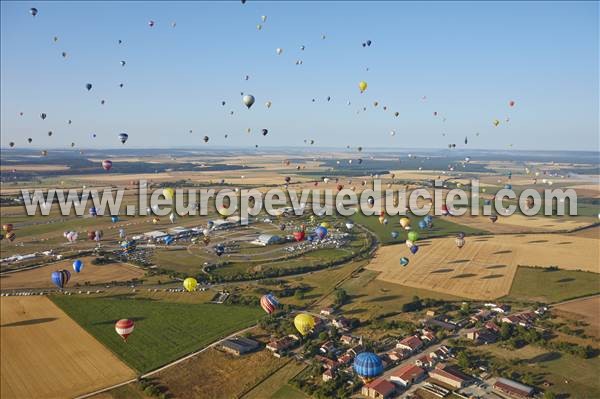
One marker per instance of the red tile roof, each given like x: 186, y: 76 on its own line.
x: 412, y: 342
x: 408, y: 372
x: 382, y: 386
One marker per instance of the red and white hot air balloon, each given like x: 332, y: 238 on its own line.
x: 269, y: 303
x: 124, y: 328
x: 106, y: 164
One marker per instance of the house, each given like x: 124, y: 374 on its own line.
x: 342, y: 323
x: 347, y: 339
x: 398, y: 354
x: 482, y: 336
x: 327, y: 311
x: 282, y: 344
x: 327, y: 347
x: 345, y: 359
x: 501, y: 309
x: 266, y: 239
x: 524, y: 319
x: 442, y: 324
x: 425, y: 361
x: 430, y: 313
x: 326, y: 362
x: 239, y: 345
x: 481, y: 315
x: 407, y: 375
x: 513, y: 388
x: 355, y: 350
x: 412, y: 343
x: 450, y: 375
x: 427, y: 336
x: 327, y: 375
x: 490, y: 325
x: 378, y: 389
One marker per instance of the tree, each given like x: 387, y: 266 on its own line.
x: 463, y: 360
x: 341, y: 296
x: 549, y: 395
x: 505, y: 331
x: 299, y: 294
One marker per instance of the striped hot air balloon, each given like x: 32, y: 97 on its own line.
x: 368, y: 365
x: 60, y: 278
x: 269, y: 303
x: 124, y: 328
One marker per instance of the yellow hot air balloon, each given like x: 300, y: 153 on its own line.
x: 405, y: 222
x: 362, y: 86
x: 190, y: 284
x: 496, y: 122
x: 304, y: 323
x: 381, y: 219
x: 168, y: 193
x: 326, y: 225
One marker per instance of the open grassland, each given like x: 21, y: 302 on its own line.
x: 441, y: 227
x: 94, y: 274
x: 371, y: 297
x: 272, y: 385
x: 484, y: 268
x: 215, y: 374
x: 171, y: 329
x: 289, y: 392
x: 585, y: 309
x: 45, y: 354
x: 568, y: 374
x: 548, y: 285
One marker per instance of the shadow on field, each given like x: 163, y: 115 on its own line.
x: 355, y: 311
x: 99, y: 323
x: 536, y: 241
x: 458, y: 261
x: 565, y: 280
x: 564, y: 243
x: 29, y: 322
x: 464, y: 275
x: 544, y: 357
x: 384, y: 298
x: 495, y: 267
x: 506, y: 251
x: 492, y: 276
x: 442, y: 271
x: 128, y: 296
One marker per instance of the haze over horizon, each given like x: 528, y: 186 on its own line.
x: 468, y: 59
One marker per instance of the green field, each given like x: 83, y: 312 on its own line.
x: 171, y: 329
x: 441, y: 227
x: 549, y: 286
x: 289, y: 392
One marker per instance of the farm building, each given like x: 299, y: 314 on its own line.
x: 412, y: 343
x: 267, y: 239
x: 482, y: 336
x: 180, y: 231
x: 450, y: 376
x: 379, y: 389
x: 408, y: 375
x: 239, y: 345
x: 221, y: 224
x: 513, y: 388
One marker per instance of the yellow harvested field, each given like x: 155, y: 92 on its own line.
x: 33, y: 168
x: 586, y: 309
x: 40, y: 277
x: 45, y: 354
x: 485, y: 267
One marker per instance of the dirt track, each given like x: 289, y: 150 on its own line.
x: 45, y: 354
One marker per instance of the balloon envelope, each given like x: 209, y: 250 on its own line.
x: 77, y: 266
x: 368, y: 365
x: 60, y: 278
x: 190, y: 284
x: 124, y: 328
x: 304, y: 323
x: 269, y: 303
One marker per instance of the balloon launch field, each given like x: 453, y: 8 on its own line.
x: 45, y: 354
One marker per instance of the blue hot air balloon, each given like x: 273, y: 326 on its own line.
x: 395, y: 234
x: 404, y: 261
x: 210, y: 224
x: 77, y: 266
x: 60, y: 278
x: 508, y: 186
x: 114, y: 219
x: 428, y: 219
x: 368, y: 365
x: 422, y: 224
x: 123, y: 137
x: 414, y: 249
x: 321, y: 232
x: 93, y: 211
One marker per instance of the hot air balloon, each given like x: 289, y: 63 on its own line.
x: 77, y: 266
x: 278, y: 51
x: 269, y: 303
x: 122, y: 63
x: 494, y: 218
x: 368, y: 365
x: 122, y: 233
x: 114, y: 219
x: 106, y: 164
x: 8, y: 227
x: 190, y: 284
x: 405, y: 222
x: 88, y: 86
x: 414, y: 249
x: 123, y: 137
x: 395, y: 234
x: 124, y: 328
x: 304, y: 323
x: 172, y: 217
x: 93, y: 211
x: 268, y: 104
x: 496, y: 122
x: 362, y: 85
x: 349, y: 225
x: 299, y: 235
x: 29, y: 140
x: 168, y: 193
x: 321, y: 232
x: 71, y: 236
x: 404, y: 261
x: 11, y: 144
x: 511, y: 103
x: 460, y: 242
x: 413, y: 236
x: 248, y: 100
x: 151, y: 23
x: 33, y: 11
x: 60, y: 278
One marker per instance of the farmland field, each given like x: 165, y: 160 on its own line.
x: 586, y: 309
x: 485, y: 267
x: 171, y: 329
x: 276, y: 382
x: 45, y: 354
x: 40, y: 277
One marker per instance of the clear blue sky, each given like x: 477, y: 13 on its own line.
x: 468, y: 58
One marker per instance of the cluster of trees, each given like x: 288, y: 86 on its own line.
x: 418, y: 304
x: 151, y: 389
x: 341, y: 297
x: 335, y: 388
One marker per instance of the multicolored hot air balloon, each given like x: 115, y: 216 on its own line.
x: 304, y: 323
x: 404, y: 261
x: 107, y: 164
x: 77, y: 266
x: 123, y: 137
x: 299, y: 235
x: 368, y: 365
x: 269, y: 303
x: 190, y: 284
x: 124, y: 328
x: 60, y: 278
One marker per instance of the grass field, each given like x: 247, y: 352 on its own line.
x: 484, y: 268
x: 585, y: 309
x: 277, y: 381
x: 441, y: 227
x: 568, y: 374
x: 170, y: 329
x: 45, y: 354
x: 289, y: 392
x: 214, y: 374
x: 544, y: 285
